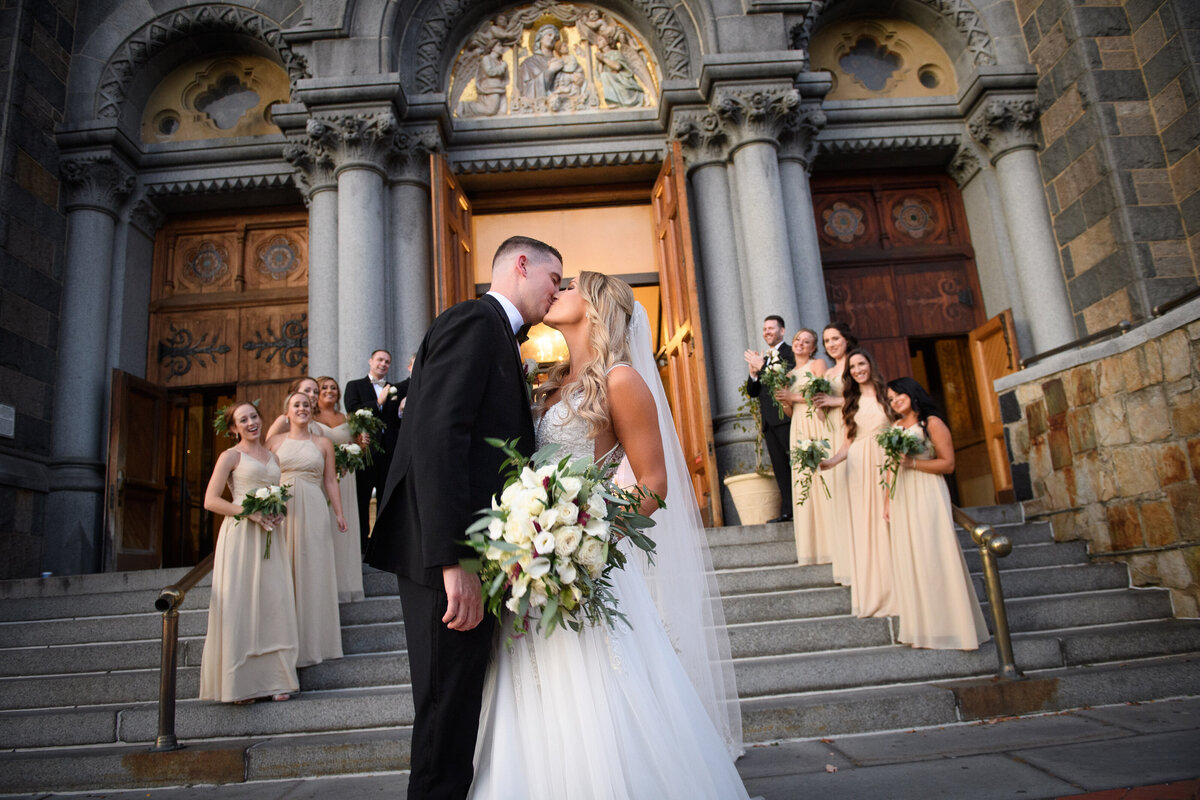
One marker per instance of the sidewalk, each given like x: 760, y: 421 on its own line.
x: 1057, y: 755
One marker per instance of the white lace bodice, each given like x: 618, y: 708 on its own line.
x: 561, y: 426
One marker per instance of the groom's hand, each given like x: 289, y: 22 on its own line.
x: 464, y: 599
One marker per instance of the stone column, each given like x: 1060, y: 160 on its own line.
x: 409, y: 245
x: 1005, y: 127
x: 754, y: 117
x: 798, y: 149
x: 315, y: 175
x: 359, y: 143
x: 96, y: 188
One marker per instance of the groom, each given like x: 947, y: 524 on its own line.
x: 775, y: 425
x: 467, y: 384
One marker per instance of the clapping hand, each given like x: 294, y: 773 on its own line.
x: 756, y: 360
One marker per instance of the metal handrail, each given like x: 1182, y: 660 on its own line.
x: 168, y: 602
x: 993, y: 545
x: 1163, y: 308
x: 1123, y: 327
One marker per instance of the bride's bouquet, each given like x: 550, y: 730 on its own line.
x: 548, y: 544
x: 811, y: 386
x: 349, y: 458
x: 896, y: 443
x: 773, y: 377
x: 362, y: 422
x: 269, y: 501
x: 807, y: 455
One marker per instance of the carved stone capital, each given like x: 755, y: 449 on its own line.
x: 755, y: 114
x: 965, y: 165
x: 354, y: 140
x: 408, y: 157
x: 146, y: 217
x: 703, y: 136
x: 1005, y: 124
x: 798, y: 139
x: 98, y: 182
x: 313, y: 163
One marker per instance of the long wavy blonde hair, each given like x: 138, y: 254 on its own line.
x: 609, y: 307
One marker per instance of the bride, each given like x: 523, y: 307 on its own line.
x: 647, y: 709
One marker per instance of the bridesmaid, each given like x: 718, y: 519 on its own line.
x: 307, y: 464
x: 866, y: 415
x: 832, y: 514
x: 305, y: 385
x: 251, y: 646
x: 331, y: 423
x: 812, y: 540
x: 934, y: 595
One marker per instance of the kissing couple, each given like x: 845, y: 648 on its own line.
x: 644, y: 709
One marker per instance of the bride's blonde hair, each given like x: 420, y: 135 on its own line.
x: 609, y: 307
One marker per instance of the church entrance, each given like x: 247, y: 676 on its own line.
x: 900, y: 270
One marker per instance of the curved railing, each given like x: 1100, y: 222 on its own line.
x: 168, y: 602
x: 991, y: 546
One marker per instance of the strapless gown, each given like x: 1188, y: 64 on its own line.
x: 250, y: 648
x: 347, y: 549
x: 602, y: 714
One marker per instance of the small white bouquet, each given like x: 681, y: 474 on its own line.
x: 773, y: 377
x: 549, y: 542
x: 808, y: 454
x: 269, y: 501
x: 349, y: 458
x: 812, y: 385
x: 365, y: 422
x: 896, y: 443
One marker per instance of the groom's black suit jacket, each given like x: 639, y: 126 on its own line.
x: 467, y: 384
x: 771, y: 418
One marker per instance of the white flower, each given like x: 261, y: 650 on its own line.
x: 520, y: 586
x: 567, y: 540
x: 392, y: 391
x: 494, y: 554
x: 566, y: 571
x: 570, y: 488
x: 364, y: 412
x: 495, y: 529
x: 353, y: 449
x: 597, y: 527
x: 537, y: 595
x: 538, y: 567
x: 263, y: 493
x: 591, y: 554
x: 518, y: 529
x: 530, y: 366
x: 596, y: 505
x: 513, y: 604
x: 529, y: 478
x: 549, y: 518
x: 544, y: 542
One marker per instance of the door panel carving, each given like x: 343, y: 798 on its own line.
x: 846, y: 221
x: 935, y: 299
x: 274, y: 343
x: 276, y: 259
x: 866, y: 300
x: 915, y: 216
x: 196, y: 347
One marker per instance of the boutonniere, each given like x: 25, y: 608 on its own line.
x: 530, y: 369
x: 392, y: 392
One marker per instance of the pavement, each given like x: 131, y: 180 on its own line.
x: 1133, y: 751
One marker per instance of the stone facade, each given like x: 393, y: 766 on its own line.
x: 38, y: 38
x: 1108, y: 449
x: 1119, y: 92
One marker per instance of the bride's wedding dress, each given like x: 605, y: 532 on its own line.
x: 603, y: 714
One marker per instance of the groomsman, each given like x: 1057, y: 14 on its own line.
x: 776, y: 427
x: 383, y: 399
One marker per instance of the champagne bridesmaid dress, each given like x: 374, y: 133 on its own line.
x: 935, y: 598
x: 347, y: 549
x: 309, y: 530
x: 832, y: 514
x: 871, y: 568
x: 813, y: 540
x: 251, y: 645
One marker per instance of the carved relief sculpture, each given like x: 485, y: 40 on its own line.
x: 550, y: 58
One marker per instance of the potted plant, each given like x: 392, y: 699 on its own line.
x: 755, y: 493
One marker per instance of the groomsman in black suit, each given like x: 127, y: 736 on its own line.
x: 383, y: 399
x: 776, y: 427
x: 467, y: 384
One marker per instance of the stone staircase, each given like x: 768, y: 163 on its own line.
x: 79, y: 666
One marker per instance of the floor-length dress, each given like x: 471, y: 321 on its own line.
x: 310, y: 528
x: 871, y: 569
x: 600, y: 714
x: 832, y: 513
x: 347, y: 548
x: 935, y: 598
x: 250, y: 648
x: 814, y: 544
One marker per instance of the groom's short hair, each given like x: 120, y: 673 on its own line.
x: 514, y: 244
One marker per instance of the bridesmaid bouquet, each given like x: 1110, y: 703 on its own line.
x: 896, y: 443
x: 773, y: 377
x: 269, y: 500
x: 348, y: 458
x: 362, y: 422
x: 812, y: 386
x: 548, y: 544
x: 808, y: 454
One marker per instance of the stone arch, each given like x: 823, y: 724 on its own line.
x: 437, y: 26
x: 157, y: 35
x: 960, y: 15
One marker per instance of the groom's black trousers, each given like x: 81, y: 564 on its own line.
x: 448, y: 669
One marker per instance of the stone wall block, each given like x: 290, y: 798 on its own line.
x: 1059, y: 489
x: 1028, y: 393
x: 1081, y: 386
x: 1111, y: 376
x: 1055, y: 397
x: 1158, y: 523
x: 1082, y: 431
x: 1134, y: 470
x: 1059, y: 442
x: 1193, y: 330
x: 1148, y: 420
x: 1112, y: 427
x: 1019, y: 440
x: 1137, y: 373
x: 1171, y: 463
x: 1039, y: 458
x: 1193, y: 448
x: 1176, y: 356
x: 1185, y: 413
x: 1185, y: 603
x: 1174, y: 570
x: 1035, y: 417
x: 1143, y: 570
x: 1185, y: 501
x: 1124, y: 526
x: 1094, y: 480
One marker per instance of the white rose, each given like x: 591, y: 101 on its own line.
x: 529, y: 478
x: 518, y: 529
x: 513, y: 604
x: 590, y: 554
x: 532, y: 501
x: 263, y: 493
x: 549, y: 517
x: 538, y: 567
x: 544, y: 542
x: 392, y: 391
x: 353, y: 449
x: 566, y: 571
x: 510, y: 494
x: 597, y: 527
x: 568, y: 512
x: 495, y: 529
x: 570, y: 487
x: 364, y: 412
x: 567, y: 540
x: 520, y: 586
x: 596, y: 505
x: 494, y: 554
x: 537, y: 595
